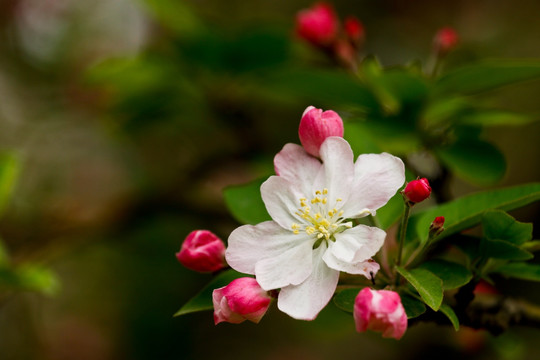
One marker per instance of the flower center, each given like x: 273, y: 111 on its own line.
x: 321, y: 220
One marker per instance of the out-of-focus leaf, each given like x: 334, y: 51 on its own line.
x: 392, y: 211
x: 360, y: 139
x: 345, y: 299
x: 203, y: 300
x: 413, y: 307
x: 467, y: 211
x: 371, y: 73
x: 321, y: 87
x: 451, y: 315
x: 532, y: 246
x: 496, y: 118
x: 392, y: 135
x: 470, y: 245
x: 452, y: 275
x: 175, y: 15
x: 487, y: 75
x: 426, y: 283
x: 37, y: 278
x: 9, y: 170
x: 473, y: 160
x: 500, y: 249
x: 245, y: 202
x: 520, y: 270
x: 498, y: 225
x: 443, y: 111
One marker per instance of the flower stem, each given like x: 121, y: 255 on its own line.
x: 401, y: 238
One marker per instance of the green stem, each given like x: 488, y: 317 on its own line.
x: 401, y: 238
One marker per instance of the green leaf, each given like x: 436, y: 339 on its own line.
x: 345, y: 299
x: 203, y: 300
x: 496, y: 118
x: 413, y: 307
x: 176, y: 15
x: 37, y: 278
x: 452, y: 275
x: 467, y: 211
x: 451, y: 315
x: 500, y: 249
x: 426, y: 283
x: 476, y: 161
x: 532, y: 246
x: 9, y: 170
x: 361, y: 139
x: 498, y: 225
x: 391, y: 212
x: 520, y: 270
x: 487, y: 75
x: 245, y: 202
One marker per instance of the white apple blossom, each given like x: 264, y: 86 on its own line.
x: 312, y: 238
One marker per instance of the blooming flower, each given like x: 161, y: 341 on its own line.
x: 380, y: 311
x: 243, y: 299
x: 318, y: 25
x: 316, y: 126
x: 311, y: 238
x: 417, y: 190
x: 202, y: 251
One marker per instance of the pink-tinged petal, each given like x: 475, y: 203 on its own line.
x: 222, y: 311
x: 282, y: 201
x: 362, y: 309
x: 316, y: 126
x: 295, y: 165
x: 368, y: 268
x: 305, y: 301
x: 377, y: 177
x: 338, y: 165
x: 291, y: 267
x: 358, y: 243
x: 249, y: 244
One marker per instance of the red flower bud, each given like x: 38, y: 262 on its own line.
x: 445, y: 40
x: 243, y: 299
x: 202, y: 251
x: 437, y: 226
x: 316, y: 126
x: 380, y: 310
x: 417, y: 191
x: 318, y: 25
x: 354, y: 30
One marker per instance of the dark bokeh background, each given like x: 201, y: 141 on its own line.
x: 129, y: 118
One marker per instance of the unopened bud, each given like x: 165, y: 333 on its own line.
x: 243, y: 299
x: 436, y: 227
x: 316, y: 126
x: 380, y: 310
x: 354, y: 30
x: 445, y: 40
x: 417, y: 191
x: 318, y: 25
x: 202, y: 251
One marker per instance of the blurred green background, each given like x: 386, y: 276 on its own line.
x: 128, y: 118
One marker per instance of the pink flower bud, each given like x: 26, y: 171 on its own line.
x: 202, y: 251
x: 437, y: 226
x: 316, y: 126
x: 243, y: 299
x: 354, y: 30
x: 318, y: 25
x: 445, y: 40
x: 345, y: 53
x: 417, y: 191
x: 483, y: 287
x: 380, y: 311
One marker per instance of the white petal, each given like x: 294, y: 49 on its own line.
x: 377, y: 177
x: 338, y: 164
x: 294, y: 164
x: 366, y: 268
x: 249, y: 244
x: 288, y: 268
x: 357, y: 244
x: 306, y: 300
x: 282, y: 201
